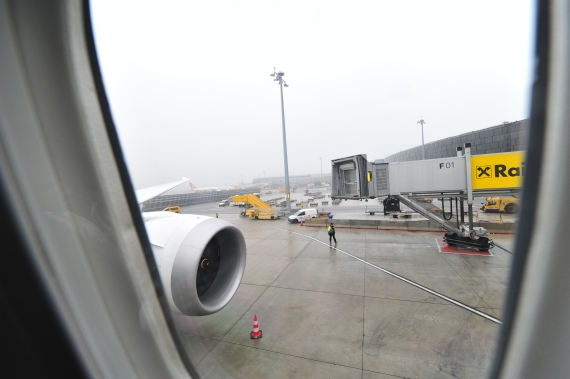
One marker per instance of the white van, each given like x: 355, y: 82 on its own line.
x: 303, y: 214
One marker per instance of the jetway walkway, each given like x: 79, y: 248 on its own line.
x: 426, y: 210
x: 463, y: 177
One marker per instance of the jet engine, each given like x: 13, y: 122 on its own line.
x: 201, y: 260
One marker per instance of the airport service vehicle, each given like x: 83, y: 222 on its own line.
x: 259, y: 210
x: 283, y: 203
x: 302, y: 215
x: 172, y: 208
x: 224, y: 203
x: 508, y: 205
x: 391, y: 204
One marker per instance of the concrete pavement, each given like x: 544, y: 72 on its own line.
x: 326, y: 315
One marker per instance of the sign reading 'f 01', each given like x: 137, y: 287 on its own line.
x: 497, y: 171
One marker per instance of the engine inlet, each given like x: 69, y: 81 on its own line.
x: 208, y: 267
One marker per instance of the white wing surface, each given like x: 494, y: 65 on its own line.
x: 148, y: 193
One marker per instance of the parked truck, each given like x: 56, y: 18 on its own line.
x: 259, y: 210
x: 508, y: 205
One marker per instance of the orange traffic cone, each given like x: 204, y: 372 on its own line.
x: 256, y: 332
x: 302, y: 223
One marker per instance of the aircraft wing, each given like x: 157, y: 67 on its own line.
x: 148, y: 193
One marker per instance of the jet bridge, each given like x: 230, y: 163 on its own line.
x: 350, y: 178
x: 356, y: 178
x: 461, y: 177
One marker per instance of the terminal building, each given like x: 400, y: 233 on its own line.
x: 504, y: 138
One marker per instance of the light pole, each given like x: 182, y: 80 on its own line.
x: 321, y: 168
x: 278, y: 75
x: 422, y: 122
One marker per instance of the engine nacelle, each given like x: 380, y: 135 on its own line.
x: 201, y: 260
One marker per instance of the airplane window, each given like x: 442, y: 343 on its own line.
x: 432, y: 96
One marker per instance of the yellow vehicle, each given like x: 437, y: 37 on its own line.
x: 499, y: 205
x: 260, y: 209
x: 282, y: 189
x: 172, y: 208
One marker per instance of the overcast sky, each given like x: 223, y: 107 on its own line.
x: 191, y: 94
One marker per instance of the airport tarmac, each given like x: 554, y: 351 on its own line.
x: 325, y: 314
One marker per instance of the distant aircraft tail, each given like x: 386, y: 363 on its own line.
x: 192, y: 186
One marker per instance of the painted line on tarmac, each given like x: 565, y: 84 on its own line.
x: 437, y: 243
x: 417, y: 285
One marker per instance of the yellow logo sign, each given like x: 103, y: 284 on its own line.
x: 494, y: 171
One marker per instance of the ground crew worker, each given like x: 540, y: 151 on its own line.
x: 331, y: 235
x: 217, y: 216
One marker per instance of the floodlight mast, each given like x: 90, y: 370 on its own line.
x: 279, y: 78
x: 422, y: 122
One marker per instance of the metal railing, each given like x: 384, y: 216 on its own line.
x: 428, y: 210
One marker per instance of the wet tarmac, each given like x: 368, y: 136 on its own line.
x: 325, y: 314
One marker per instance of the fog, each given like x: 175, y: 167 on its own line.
x: 191, y: 94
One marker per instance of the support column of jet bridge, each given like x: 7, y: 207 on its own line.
x: 461, y: 205
x: 467, y: 150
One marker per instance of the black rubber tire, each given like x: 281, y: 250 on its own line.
x: 512, y: 208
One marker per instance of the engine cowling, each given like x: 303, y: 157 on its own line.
x: 201, y: 260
